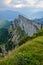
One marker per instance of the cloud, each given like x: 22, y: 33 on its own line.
x: 18, y: 6
x: 40, y: 4
x: 7, y: 1
x: 26, y: 3
x: 22, y: 3
x: 9, y: 4
x: 31, y: 2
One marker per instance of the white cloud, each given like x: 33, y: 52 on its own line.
x: 35, y: 3
x: 17, y: 5
x: 7, y: 1
x: 21, y: 3
x: 40, y: 4
x: 31, y: 1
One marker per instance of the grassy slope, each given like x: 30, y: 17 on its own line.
x: 30, y: 53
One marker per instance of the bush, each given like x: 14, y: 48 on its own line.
x: 4, y: 35
x: 9, y: 46
x: 39, y: 33
x: 23, y: 40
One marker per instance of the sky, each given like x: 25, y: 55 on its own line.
x: 24, y: 6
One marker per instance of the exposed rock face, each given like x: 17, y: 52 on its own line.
x: 29, y: 26
x: 22, y: 27
x: 17, y: 33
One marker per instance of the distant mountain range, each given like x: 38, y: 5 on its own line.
x: 39, y: 20
x: 11, y: 15
x: 37, y: 15
x: 8, y: 15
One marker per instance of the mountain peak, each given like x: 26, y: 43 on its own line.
x: 29, y: 26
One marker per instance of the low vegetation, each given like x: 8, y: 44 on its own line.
x: 30, y: 53
x: 39, y: 33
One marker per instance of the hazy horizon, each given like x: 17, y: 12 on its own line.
x: 29, y: 8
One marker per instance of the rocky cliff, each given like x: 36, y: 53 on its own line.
x: 22, y: 27
x: 29, y: 26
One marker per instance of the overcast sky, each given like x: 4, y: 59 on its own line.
x: 25, y: 6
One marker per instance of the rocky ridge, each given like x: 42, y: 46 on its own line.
x: 29, y: 26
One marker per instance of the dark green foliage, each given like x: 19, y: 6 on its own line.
x: 0, y: 50
x: 4, y: 35
x: 39, y: 33
x: 23, y: 40
x: 9, y: 45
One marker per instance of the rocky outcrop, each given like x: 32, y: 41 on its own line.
x: 21, y: 28
x: 29, y: 26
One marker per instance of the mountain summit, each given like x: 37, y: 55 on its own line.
x: 29, y: 26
